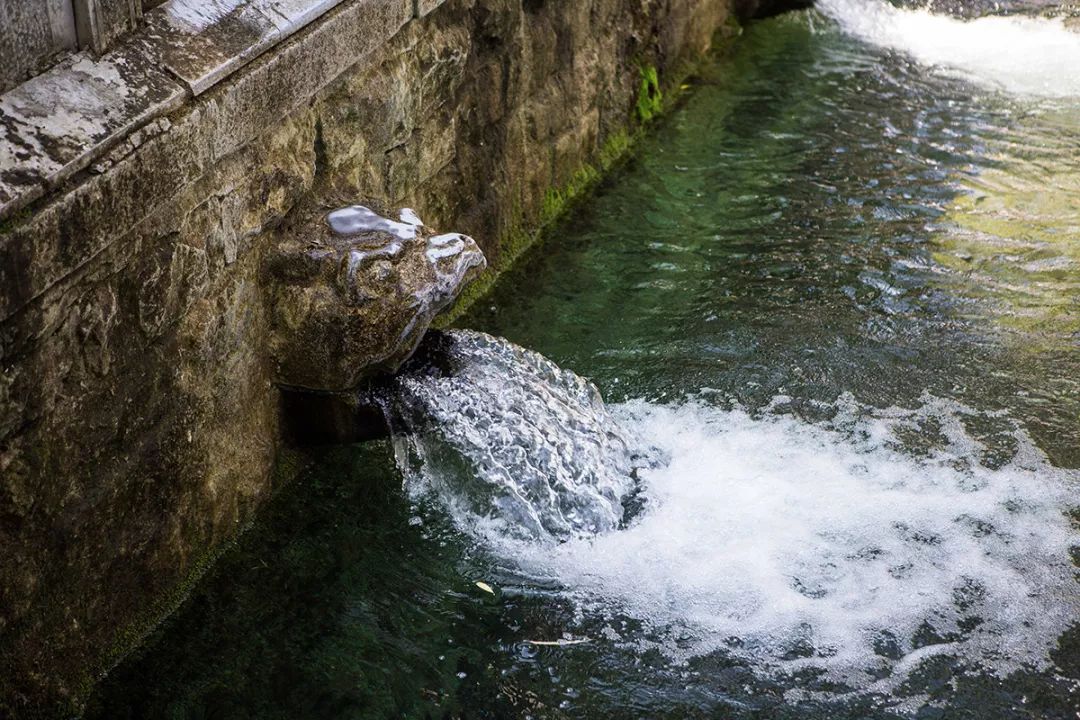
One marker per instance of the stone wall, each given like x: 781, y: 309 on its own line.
x: 138, y: 418
x: 32, y: 34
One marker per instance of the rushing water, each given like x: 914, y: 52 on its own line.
x: 509, y: 442
x: 834, y: 308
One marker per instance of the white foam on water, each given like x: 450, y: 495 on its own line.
x: 860, y: 545
x: 775, y: 531
x: 1022, y: 55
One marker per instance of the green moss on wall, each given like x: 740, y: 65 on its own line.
x: 654, y: 99
x: 557, y: 201
x: 650, y: 99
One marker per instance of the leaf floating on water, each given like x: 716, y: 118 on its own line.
x: 558, y: 643
x: 485, y: 587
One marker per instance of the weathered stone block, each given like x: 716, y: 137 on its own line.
x: 351, y: 293
x: 423, y: 7
x: 102, y: 22
x: 203, y: 42
x: 54, y: 125
x: 30, y: 34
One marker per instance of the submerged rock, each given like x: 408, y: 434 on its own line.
x: 352, y: 292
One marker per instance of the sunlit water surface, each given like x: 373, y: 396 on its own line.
x: 835, y: 300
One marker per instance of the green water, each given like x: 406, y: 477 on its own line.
x: 817, y: 219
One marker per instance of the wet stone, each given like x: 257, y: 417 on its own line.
x: 61, y: 121
x: 55, y: 124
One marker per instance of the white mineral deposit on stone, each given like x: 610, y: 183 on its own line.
x: 356, y: 219
x: 409, y: 216
x: 447, y: 245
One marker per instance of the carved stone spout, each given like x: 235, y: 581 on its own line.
x: 351, y: 292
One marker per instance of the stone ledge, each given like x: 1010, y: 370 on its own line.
x: 62, y: 121
x: 57, y: 123
x: 202, y: 42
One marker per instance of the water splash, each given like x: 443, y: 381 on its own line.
x: 1030, y: 56
x: 860, y: 545
x: 515, y: 445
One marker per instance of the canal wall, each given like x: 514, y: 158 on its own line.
x: 142, y: 191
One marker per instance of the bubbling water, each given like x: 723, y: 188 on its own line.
x: 858, y: 545
x: 1029, y: 56
x: 799, y: 544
